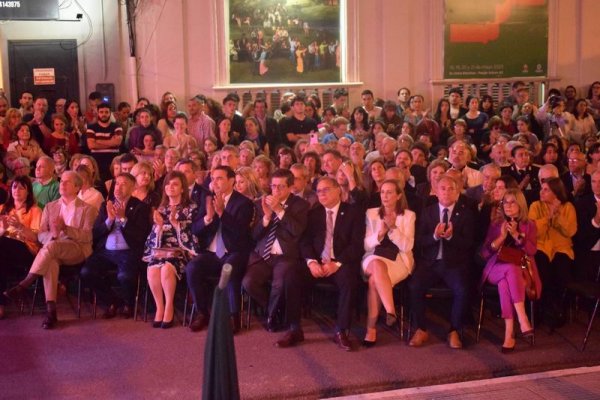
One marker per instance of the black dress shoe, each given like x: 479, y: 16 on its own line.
x: 110, y: 312
x: 290, y: 338
x: 167, y: 325
x: 368, y: 343
x: 199, y: 323
x: 272, y: 325
x: 156, y: 324
x: 49, y: 321
x: 342, y: 340
x: 15, y: 293
x: 126, y: 312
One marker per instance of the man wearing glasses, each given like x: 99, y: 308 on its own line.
x: 281, y: 220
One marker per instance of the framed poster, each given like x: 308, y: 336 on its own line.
x: 284, y: 41
x: 489, y: 39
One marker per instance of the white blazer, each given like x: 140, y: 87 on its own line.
x: 403, y: 236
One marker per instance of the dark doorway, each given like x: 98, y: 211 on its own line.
x: 26, y: 55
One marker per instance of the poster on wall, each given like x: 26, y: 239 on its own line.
x: 284, y: 41
x: 489, y: 39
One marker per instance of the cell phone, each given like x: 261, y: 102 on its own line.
x: 314, y: 138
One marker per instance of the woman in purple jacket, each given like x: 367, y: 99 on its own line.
x: 511, y: 230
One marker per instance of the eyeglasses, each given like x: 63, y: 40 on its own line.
x: 324, y: 190
x: 575, y: 160
x: 278, y: 187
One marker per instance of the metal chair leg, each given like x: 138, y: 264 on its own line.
x: 78, y: 297
x: 137, y: 297
x: 589, y: 328
x: 480, y: 320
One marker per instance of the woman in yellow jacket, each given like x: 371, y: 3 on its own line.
x: 556, y: 223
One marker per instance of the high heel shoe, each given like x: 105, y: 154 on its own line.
x: 167, y: 325
x: 368, y: 343
x: 391, y: 319
x: 528, y: 334
x: 156, y: 324
x: 507, y: 350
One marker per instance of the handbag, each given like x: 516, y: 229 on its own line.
x: 387, y: 249
x: 167, y: 252
x: 510, y: 255
x: 527, y: 271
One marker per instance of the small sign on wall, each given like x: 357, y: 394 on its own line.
x: 44, y: 76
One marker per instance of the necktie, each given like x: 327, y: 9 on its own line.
x: 445, y: 217
x: 326, y: 254
x: 221, y: 249
x: 270, y: 239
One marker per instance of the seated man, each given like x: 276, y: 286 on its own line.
x: 587, y: 239
x: 445, y: 237
x: 120, y: 231
x: 577, y: 182
x: 223, y: 229
x: 281, y: 220
x: 524, y: 172
x: 45, y: 186
x: 300, y: 187
x: 332, y: 246
x: 459, y: 156
x: 66, y: 236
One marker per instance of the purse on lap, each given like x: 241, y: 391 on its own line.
x: 387, y: 249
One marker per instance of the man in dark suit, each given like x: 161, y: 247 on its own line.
x: 268, y: 125
x: 587, y: 239
x: 577, y: 182
x: 524, y: 172
x: 444, y: 236
x: 223, y: 230
x: 332, y: 246
x: 120, y: 232
x: 280, y: 223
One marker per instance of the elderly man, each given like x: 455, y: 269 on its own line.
x: 459, y: 157
x: 490, y: 172
x: 45, y: 187
x: 66, y: 236
x: 445, y: 232
x: 119, y: 234
x: 576, y: 180
x: 301, y: 188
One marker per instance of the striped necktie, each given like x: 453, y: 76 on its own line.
x: 270, y: 238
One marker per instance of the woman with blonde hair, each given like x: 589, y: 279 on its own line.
x: 513, y: 233
x: 8, y: 127
x: 143, y: 172
x: 246, y: 183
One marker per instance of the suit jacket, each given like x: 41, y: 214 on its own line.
x: 587, y: 234
x: 290, y: 227
x: 235, y: 225
x: 273, y: 135
x: 136, y: 228
x: 198, y: 195
x: 531, y: 170
x: 80, y: 232
x: 348, y: 235
x: 403, y: 237
x: 456, y: 252
x: 568, y: 182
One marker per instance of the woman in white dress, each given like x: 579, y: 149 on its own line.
x: 388, y: 259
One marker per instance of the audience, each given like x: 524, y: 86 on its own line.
x: 219, y: 199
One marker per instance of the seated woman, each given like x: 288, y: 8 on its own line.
x: 246, y: 183
x: 426, y: 190
x: 256, y: 136
x: 512, y: 229
x: 169, y: 246
x: 8, y: 127
x: 349, y: 177
x: 144, y: 184
x: 388, y: 258
x: 19, y: 223
x: 61, y: 137
x: 88, y: 193
x: 374, y: 177
x: 556, y: 224
x: 25, y: 145
x: 263, y: 168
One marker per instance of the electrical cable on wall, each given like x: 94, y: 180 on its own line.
x: 90, y: 25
